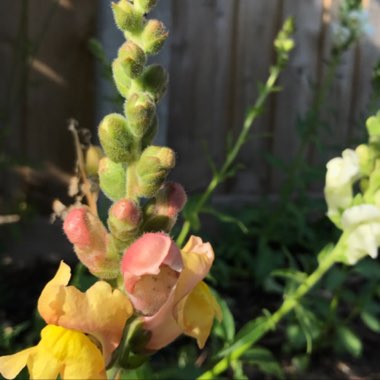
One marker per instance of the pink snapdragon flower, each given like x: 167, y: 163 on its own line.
x: 165, y: 286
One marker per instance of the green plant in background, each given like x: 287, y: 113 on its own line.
x: 357, y: 215
x: 283, y: 45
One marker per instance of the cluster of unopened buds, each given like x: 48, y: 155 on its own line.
x: 352, y: 194
x: 149, y: 291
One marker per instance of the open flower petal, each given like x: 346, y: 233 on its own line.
x: 100, y: 311
x: 196, y: 313
x: 67, y: 353
x: 197, y: 259
x: 11, y: 365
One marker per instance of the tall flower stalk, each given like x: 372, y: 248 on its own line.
x: 148, y: 290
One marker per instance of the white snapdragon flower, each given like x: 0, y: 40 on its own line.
x: 342, y: 172
x: 362, y: 223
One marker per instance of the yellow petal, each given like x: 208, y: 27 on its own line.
x: 196, y: 313
x: 100, y: 311
x: 68, y: 353
x: 11, y: 365
x: 197, y: 260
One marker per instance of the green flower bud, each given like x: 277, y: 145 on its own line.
x: 373, y: 127
x: 121, y: 78
x: 155, y: 81
x: 144, y: 6
x: 126, y: 17
x: 112, y: 178
x: 366, y: 158
x: 93, y: 156
x: 131, y: 59
x: 153, y: 36
x: 124, y: 219
x: 150, y: 133
x: 116, y: 140
x: 140, y: 110
x: 152, y: 169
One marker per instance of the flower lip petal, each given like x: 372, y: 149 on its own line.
x: 148, y: 253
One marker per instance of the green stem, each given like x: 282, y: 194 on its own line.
x: 288, y: 305
x: 131, y: 192
x: 219, y: 177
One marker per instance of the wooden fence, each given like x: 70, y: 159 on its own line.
x: 219, y: 50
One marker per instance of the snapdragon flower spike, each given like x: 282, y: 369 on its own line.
x: 124, y: 219
x: 160, y: 214
x: 89, y: 237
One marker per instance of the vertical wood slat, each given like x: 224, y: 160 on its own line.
x: 59, y: 83
x: 200, y: 61
x: 298, y: 82
x: 257, y: 26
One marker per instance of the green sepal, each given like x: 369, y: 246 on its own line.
x: 131, y: 352
x: 154, y: 222
x: 112, y: 178
x: 150, y: 133
x: 117, y: 141
x: 154, y: 80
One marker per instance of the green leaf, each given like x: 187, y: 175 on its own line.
x: 264, y: 360
x: 249, y: 334
x: 226, y: 328
x: 368, y: 268
x: 191, y: 214
x: 350, y: 341
x: 371, y: 321
x: 225, y: 218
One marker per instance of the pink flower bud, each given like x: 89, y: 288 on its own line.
x: 89, y: 237
x: 160, y: 214
x: 124, y: 219
x: 150, y: 267
x: 170, y: 199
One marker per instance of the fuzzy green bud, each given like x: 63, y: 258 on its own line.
x: 155, y: 81
x: 131, y: 59
x: 121, y: 78
x: 366, y: 158
x: 124, y: 219
x: 144, y: 6
x: 154, y: 36
x: 116, y: 140
x: 373, y: 128
x: 140, y: 110
x: 152, y: 169
x: 112, y: 178
x: 126, y: 17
